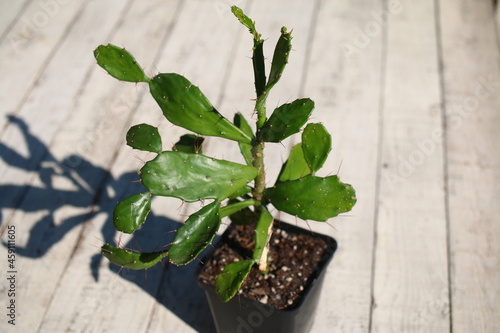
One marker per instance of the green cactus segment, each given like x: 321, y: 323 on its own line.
x: 287, y: 119
x: 119, y: 63
x: 245, y: 149
x: 231, y: 278
x: 193, y: 177
x: 234, y: 206
x: 280, y: 58
x: 144, y: 137
x: 312, y: 198
x: 259, y: 67
x: 258, y: 50
x: 189, y: 143
x: 295, y: 167
x: 130, y: 214
x: 241, y: 192
x: 316, y: 144
x: 243, y: 125
x: 195, y: 234
x: 184, y: 105
x: 262, y: 234
x: 246, y: 21
x: 131, y: 259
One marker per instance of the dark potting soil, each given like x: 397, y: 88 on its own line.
x: 293, y: 257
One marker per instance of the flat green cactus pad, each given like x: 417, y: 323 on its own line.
x: 131, y: 259
x: 195, y: 234
x: 229, y: 281
x: 287, y: 119
x: 184, y: 105
x: 316, y: 144
x: 280, y: 58
x: 245, y: 148
x: 295, y: 167
x: 144, y: 137
x: 119, y: 63
x: 130, y: 213
x: 190, y: 143
x: 312, y: 198
x: 193, y: 177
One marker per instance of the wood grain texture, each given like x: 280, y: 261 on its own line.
x: 29, y: 45
x: 11, y: 10
x: 43, y: 226
x: 411, y: 266
x: 497, y: 21
x: 471, y: 84
x: 346, y: 88
x: 97, y: 283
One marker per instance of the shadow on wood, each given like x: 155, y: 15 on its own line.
x: 92, y: 191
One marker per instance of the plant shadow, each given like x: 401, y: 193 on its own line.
x: 93, y: 191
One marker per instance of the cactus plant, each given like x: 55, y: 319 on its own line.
x: 226, y: 188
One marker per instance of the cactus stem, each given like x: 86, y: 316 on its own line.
x: 258, y: 162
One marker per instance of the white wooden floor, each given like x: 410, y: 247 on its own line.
x: 408, y: 89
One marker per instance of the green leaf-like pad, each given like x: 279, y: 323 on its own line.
x: 190, y: 143
x: 246, y: 21
x: 241, y: 192
x: 229, y: 281
x: 258, y: 50
x: 119, y: 63
x: 184, y: 105
x: 130, y: 213
x: 144, y: 137
x: 195, y: 234
x: 312, y: 198
x: 280, y: 58
x: 130, y: 259
x: 316, y: 144
x: 295, y: 167
x: 245, y: 148
x: 286, y: 120
x: 192, y: 177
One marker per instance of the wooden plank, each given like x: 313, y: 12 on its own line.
x: 29, y: 45
x: 44, y: 240
x: 411, y: 263
x: 497, y: 21
x: 91, y: 289
x: 10, y: 13
x: 343, y: 78
x: 471, y: 66
x: 29, y: 63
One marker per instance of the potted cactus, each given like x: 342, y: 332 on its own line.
x: 234, y: 190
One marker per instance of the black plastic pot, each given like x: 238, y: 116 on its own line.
x: 244, y: 315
